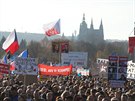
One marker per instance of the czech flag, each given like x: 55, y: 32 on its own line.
x: 4, y: 59
x: 52, y: 28
x: 12, y: 66
x: 24, y: 54
x: 11, y: 43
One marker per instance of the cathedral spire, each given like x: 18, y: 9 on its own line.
x: 63, y: 36
x: 101, y: 29
x: 101, y: 25
x: 83, y: 16
x: 91, y: 26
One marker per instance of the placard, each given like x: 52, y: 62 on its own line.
x: 117, y: 71
x: 26, y: 66
x: 54, y: 70
x: 131, y: 70
x: 4, y: 68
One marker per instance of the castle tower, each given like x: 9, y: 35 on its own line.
x: 83, y: 17
x: 83, y: 24
x: 101, y: 25
x: 91, y: 25
x: 101, y: 30
x: 73, y: 37
x: 63, y: 36
x: 91, y: 35
x: 83, y: 29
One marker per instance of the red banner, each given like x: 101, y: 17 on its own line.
x: 4, y: 68
x: 54, y: 70
x: 131, y: 44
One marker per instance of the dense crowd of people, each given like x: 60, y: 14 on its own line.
x: 65, y: 88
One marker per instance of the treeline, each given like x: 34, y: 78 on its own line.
x: 43, y: 50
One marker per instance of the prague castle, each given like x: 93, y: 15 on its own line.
x: 91, y: 35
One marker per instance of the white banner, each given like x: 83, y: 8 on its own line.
x: 83, y: 71
x: 131, y: 70
x: 102, y: 65
x: 100, y: 60
x: 25, y: 66
x: 74, y: 58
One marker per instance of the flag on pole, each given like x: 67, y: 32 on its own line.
x: 4, y: 59
x: 11, y: 43
x: 131, y: 44
x: 52, y: 28
x: 24, y: 54
x: 12, y: 66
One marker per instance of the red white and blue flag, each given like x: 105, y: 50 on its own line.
x: 11, y: 43
x: 4, y: 59
x: 52, y: 28
x: 24, y: 54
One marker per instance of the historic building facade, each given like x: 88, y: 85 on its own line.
x: 91, y: 35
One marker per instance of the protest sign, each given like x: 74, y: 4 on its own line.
x: 83, y: 71
x: 26, y: 66
x: 75, y: 58
x: 131, y: 70
x: 4, y: 68
x: 117, y: 71
x: 54, y: 70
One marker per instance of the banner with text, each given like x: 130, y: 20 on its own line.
x: 54, y: 70
x: 131, y: 70
x: 4, y: 68
x: 102, y: 65
x: 117, y: 71
x: 82, y: 71
x: 75, y: 59
x: 25, y: 66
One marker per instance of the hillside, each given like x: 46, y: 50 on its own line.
x: 28, y: 36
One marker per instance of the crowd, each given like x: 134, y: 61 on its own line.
x: 65, y: 88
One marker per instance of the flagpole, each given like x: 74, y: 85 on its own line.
x: 8, y: 55
x: 25, y: 76
x: 134, y: 47
x: 27, y: 53
x: 60, y: 52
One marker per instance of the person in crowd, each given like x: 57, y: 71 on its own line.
x: 13, y: 93
x: 22, y: 97
x: 49, y: 96
x: 124, y: 97
x: 114, y: 99
x: 123, y: 77
x: 6, y: 99
x: 65, y: 88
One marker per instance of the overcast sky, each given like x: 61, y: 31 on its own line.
x: 118, y: 16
